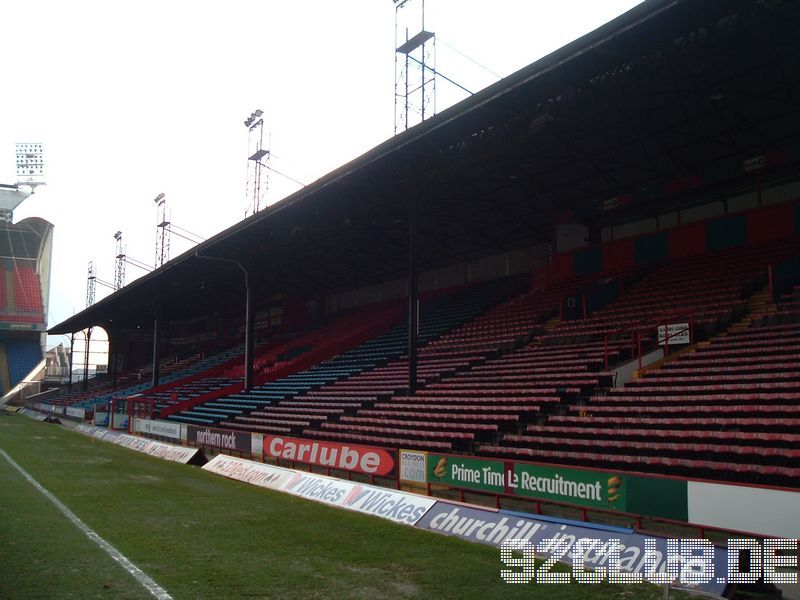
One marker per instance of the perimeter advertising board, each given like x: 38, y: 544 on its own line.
x: 170, y: 452
x: 76, y: 412
x: 594, y: 489
x: 413, y: 466
x: 653, y: 496
x: 165, y: 429
x: 267, y: 476
x: 396, y: 506
x: 488, y: 526
x: 346, y: 457
x: 219, y: 438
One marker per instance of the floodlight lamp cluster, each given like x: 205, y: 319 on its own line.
x: 254, y: 116
x: 160, y: 198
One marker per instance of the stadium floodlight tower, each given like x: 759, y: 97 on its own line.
x: 415, y: 59
x: 30, y: 174
x: 257, y: 182
x: 119, y: 263
x: 162, y: 230
x: 30, y: 164
x: 91, y: 284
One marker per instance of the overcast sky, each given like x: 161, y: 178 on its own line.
x: 145, y: 97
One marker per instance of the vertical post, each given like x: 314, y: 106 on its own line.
x: 771, y: 279
x: 605, y: 352
x: 639, y: 347
x: 71, y: 354
x: 88, y: 337
x: 413, y: 314
x: 249, y: 332
x: 112, y: 357
x: 156, y: 347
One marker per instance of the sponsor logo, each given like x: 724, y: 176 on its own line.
x: 157, y: 449
x: 317, y: 488
x: 207, y: 437
x: 396, y: 506
x: 413, y: 466
x: 347, y: 457
x: 402, y: 508
x: 162, y: 428
x: 219, y: 438
x: 250, y: 472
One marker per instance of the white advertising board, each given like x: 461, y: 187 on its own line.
x: 400, y: 507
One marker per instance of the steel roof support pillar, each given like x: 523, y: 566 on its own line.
x: 249, y: 329
x: 112, y: 357
x: 156, y: 347
x: 88, y: 336
x: 413, y: 300
x: 249, y: 313
x: 71, y: 354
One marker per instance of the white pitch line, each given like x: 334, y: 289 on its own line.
x: 139, y: 575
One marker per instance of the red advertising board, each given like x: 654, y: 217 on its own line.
x: 347, y: 457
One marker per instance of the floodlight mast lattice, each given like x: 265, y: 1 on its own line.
x: 119, y: 262
x: 162, y: 230
x: 91, y: 283
x: 412, y: 52
x: 256, y: 162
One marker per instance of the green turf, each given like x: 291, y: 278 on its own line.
x: 202, y: 536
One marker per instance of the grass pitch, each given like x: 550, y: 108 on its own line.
x: 199, y: 535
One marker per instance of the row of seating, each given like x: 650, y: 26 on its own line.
x: 359, y: 369
x: 747, y: 409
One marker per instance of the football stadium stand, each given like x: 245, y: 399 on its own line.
x: 604, y: 251
x: 25, y: 249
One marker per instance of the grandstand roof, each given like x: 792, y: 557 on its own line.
x: 666, y: 92
x: 23, y: 239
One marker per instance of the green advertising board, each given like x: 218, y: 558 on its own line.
x: 582, y: 487
x: 576, y: 486
x: 585, y: 488
x: 467, y: 472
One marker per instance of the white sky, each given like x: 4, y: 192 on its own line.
x: 148, y: 97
